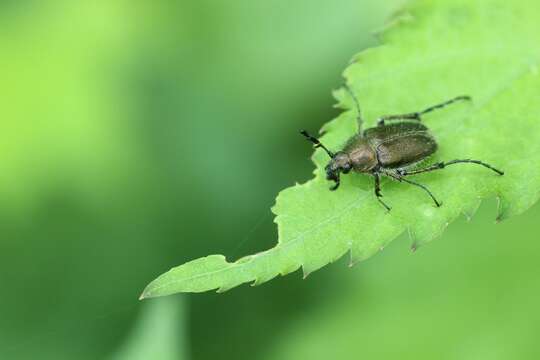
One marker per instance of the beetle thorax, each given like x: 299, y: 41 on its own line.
x: 363, y: 158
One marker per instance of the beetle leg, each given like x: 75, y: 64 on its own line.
x: 378, y: 191
x: 417, y: 115
x: 400, y: 178
x: 442, y: 165
x: 446, y: 103
x: 336, y: 186
x: 411, y: 116
x: 359, y: 119
x: 438, y: 204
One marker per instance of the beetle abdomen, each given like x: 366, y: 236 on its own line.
x: 407, y: 149
x: 401, y: 144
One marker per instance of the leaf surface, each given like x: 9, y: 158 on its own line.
x: 436, y: 50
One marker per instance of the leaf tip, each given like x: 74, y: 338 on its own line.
x: 257, y: 282
x: 149, y: 292
x: 145, y: 295
x: 224, y: 288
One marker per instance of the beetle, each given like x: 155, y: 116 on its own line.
x: 393, y: 148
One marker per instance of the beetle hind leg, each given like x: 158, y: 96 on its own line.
x: 399, y: 177
x: 442, y: 165
x: 437, y: 203
x: 416, y: 116
x: 412, y: 116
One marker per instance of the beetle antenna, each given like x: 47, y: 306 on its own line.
x: 357, y: 104
x: 317, y: 143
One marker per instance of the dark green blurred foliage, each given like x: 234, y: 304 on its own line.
x: 137, y: 136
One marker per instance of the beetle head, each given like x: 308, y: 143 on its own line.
x: 340, y: 163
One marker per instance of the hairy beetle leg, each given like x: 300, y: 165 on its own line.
x: 442, y: 165
x: 397, y: 176
x: 417, y: 115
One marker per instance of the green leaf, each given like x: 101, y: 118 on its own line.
x: 437, y: 50
x: 473, y: 296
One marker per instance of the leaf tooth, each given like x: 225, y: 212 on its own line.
x: 339, y: 95
x: 412, y: 239
x: 305, y: 272
x: 399, y: 18
x: 308, y: 268
x: 469, y: 212
x: 223, y: 288
x: 425, y: 232
x: 352, y: 262
x: 358, y: 256
x: 290, y: 269
x: 514, y: 201
x: 262, y: 279
x: 503, y: 208
x: 258, y: 281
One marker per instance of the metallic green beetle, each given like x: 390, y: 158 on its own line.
x: 389, y: 150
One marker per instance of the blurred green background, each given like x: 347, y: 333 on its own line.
x: 137, y: 136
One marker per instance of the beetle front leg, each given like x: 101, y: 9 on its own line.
x: 337, y: 183
x: 378, y: 191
